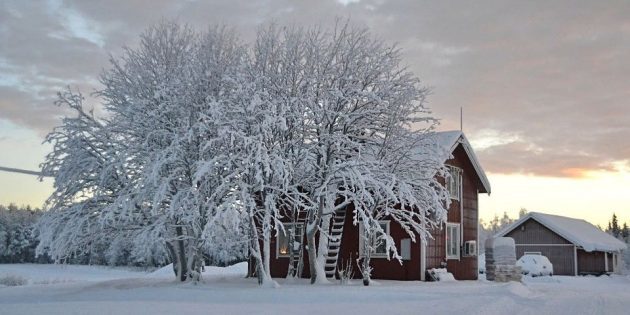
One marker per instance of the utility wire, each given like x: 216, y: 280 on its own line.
x: 17, y: 170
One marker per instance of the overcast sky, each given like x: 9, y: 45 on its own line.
x: 545, y: 85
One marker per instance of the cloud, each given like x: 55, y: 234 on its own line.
x: 348, y: 2
x: 544, y: 91
x: 75, y: 25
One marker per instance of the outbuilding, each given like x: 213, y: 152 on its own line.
x: 574, y: 246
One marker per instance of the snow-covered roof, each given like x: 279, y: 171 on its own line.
x: 449, y: 140
x: 576, y: 231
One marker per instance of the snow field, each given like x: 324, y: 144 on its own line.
x: 54, y: 289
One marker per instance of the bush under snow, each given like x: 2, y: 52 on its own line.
x: 12, y: 281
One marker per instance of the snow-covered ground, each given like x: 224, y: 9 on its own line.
x: 53, y: 289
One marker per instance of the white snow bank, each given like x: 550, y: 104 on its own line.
x: 481, y: 263
x: 237, y: 295
x: 58, y: 273
x: 239, y: 269
x: 519, y: 289
x: 442, y: 275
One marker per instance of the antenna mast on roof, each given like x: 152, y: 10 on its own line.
x: 461, y: 119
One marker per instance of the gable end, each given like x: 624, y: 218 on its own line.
x: 533, y: 232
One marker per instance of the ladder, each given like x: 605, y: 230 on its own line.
x: 296, y: 264
x: 334, y: 243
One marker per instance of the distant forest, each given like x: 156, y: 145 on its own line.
x: 18, y: 240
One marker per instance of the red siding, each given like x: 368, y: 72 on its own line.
x: 382, y: 267
x: 436, y: 249
x: 466, y: 267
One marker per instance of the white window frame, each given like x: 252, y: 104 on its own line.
x: 454, y: 182
x: 457, y: 237
x: 532, y: 253
x: 361, y: 240
x: 287, y: 228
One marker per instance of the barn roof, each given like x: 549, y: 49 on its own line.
x: 449, y: 140
x: 576, y: 231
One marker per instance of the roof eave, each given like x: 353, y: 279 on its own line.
x: 485, y: 183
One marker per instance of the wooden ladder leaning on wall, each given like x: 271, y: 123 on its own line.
x: 334, y: 243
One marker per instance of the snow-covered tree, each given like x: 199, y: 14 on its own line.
x: 354, y: 109
x: 131, y: 174
x: 613, y: 226
x: 260, y: 140
x: 17, y: 241
x: 88, y: 178
x: 204, y: 139
x: 167, y: 96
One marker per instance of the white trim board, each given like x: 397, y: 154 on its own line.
x: 449, y: 140
x: 544, y: 245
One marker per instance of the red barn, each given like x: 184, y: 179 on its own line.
x: 574, y: 246
x: 453, y: 246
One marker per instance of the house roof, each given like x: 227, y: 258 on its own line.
x: 449, y: 140
x: 576, y: 231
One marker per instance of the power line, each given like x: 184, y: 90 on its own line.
x: 21, y: 171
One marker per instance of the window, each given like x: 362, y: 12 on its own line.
x: 379, y: 248
x: 282, y: 239
x: 532, y: 253
x: 452, y: 241
x: 454, y: 182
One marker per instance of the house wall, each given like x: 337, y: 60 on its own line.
x: 382, y: 268
x: 349, y: 251
x: 591, y: 262
x: 280, y: 265
x: 436, y: 249
x: 466, y: 267
x: 532, y: 232
x: 532, y: 236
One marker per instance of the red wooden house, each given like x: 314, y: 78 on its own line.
x: 453, y: 246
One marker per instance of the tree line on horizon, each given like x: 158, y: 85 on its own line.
x: 18, y: 241
x: 621, y: 232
